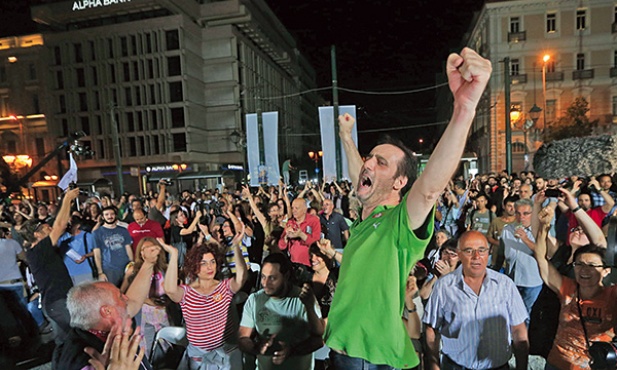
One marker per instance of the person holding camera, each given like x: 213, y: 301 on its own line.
x: 285, y: 317
x: 588, y: 312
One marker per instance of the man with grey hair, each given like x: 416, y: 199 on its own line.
x: 517, y: 245
x: 98, y: 308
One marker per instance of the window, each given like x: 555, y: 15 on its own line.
x: 40, y: 147
x: 126, y: 72
x: 175, y: 91
x: 65, y: 127
x: 133, y: 45
x: 150, y: 68
x: 177, y: 117
x: 99, y: 125
x: 148, y: 43
x: 3, y: 77
x: 32, y: 71
x: 81, y: 77
x: 142, y: 145
x: 132, y: 147
x: 128, y: 97
x: 515, y: 25
x: 110, y: 48
x: 36, y: 106
x: 615, y: 58
x: 114, y: 96
x: 95, y: 76
x: 130, y: 122
x: 97, y: 101
x: 551, y: 23
x: 172, y: 39
x: 11, y: 146
x: 124, y: 48
x: 615, y: 105
x: 551, y: 111
x: 137, y: 95
x: 550, y: 66
x: 92, y: 51
x: 112, y: 73
x: 152, y: 95
x: 78, y: 53
x: 173, y: 66
x: 514, y: 67
x: 179, y: 141
x: 83, y: 102
x: 580, y: 61
x: 62, y: 104
x: 57, y: 55
x: 59, y: 80
x: 518, y: 147
x: 581, y: 15
x: 154, y: 123
x: 85, y: 125
x: 140, y: 121
x: 101, y: 149
x: 156, y: 148
x: 135, y: 71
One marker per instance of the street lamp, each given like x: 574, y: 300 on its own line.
x: 315, y: 157
x: 545, y: 58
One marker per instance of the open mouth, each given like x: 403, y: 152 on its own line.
x: 365, y: 181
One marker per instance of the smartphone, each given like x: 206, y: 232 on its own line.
x: 552, y: 193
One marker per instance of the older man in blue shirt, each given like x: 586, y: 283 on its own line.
x: 477, y: 313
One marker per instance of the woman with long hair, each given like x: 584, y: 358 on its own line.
x: 181, y: 235
x: 205, y: 301
x: 153, y: 312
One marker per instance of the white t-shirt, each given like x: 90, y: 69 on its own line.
x: 9, y: 249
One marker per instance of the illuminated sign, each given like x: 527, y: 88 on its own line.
x: 89, y: 4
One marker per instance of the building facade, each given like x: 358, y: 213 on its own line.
x: 176, y: 78
x: 579, y: 38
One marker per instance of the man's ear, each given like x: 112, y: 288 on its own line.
x: 400, y: 182
x: 105, y: 311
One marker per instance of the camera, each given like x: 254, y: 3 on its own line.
x: 73, y: 185
x: 167, y: 182
x: 603, y: 355
x: 552, y: 193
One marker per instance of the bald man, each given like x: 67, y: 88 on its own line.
x: 301, y: 231
x: 142, y: 227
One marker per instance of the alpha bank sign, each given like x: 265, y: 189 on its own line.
x: 91, y: 4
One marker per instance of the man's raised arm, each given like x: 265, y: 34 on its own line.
x: 63, y: 217
x: 354, y: 160
x: 468, y: 75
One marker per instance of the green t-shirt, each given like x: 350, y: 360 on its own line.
x: 365, y: 317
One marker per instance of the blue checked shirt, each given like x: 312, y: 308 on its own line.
x: 475, y: 329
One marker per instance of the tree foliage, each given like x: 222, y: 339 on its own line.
x: 574, y: 123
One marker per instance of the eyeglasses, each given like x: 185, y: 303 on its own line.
x: 471, y: 251
x: 588, y: 265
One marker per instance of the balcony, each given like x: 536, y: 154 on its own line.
x: 517, y: 36
x: 613, y: 72
x: 583, y: 74
x: 554, y: 76
x: 518, y: 79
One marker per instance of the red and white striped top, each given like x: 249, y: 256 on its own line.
x: 206, y: 315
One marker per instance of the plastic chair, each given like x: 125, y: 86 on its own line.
x: 168, y: 357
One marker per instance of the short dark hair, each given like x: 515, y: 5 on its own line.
x: 113, y: 208
x: 285, y: 265
x: 590, y: 248
x: 408, y: 167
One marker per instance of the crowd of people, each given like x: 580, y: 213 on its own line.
x: 384, y: 271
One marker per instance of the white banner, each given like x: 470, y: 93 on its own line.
x: 328, y: 141
x: 252, y: 148
x: 271, y: 147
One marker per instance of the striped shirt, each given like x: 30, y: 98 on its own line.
x: 206, y: 315
x: 475, y: 329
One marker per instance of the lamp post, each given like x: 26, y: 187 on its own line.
x: 545, y: 58
x: 315, y: 155
x: 238, y: 140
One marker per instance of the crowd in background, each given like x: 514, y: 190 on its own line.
x: 547, y: 235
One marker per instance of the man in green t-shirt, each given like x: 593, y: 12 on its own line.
x: 365, y: 325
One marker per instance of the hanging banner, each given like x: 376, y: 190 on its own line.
x: 271, y: 147
x: 328, y: 141
x: 252, y: 148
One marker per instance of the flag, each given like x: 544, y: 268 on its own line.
x: 70, y: 176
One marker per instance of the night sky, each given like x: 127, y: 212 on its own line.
x: 388, y: 45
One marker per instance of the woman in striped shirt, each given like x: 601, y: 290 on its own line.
x: 206, y: 303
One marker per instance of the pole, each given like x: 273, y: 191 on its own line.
x: 337, y: 139
x: 544, y: 97
x: 260, y: 135
x: 506, y: 68
x: 116, y: 143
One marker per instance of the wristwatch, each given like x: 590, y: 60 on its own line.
x: 414, y: 309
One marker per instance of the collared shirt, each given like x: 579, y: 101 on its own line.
x: 149, y: 228
x: 475, y: 328
x: 298, y: 248
x: 522, y: 265
x: 598, y: 200
x: 335, y: 224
